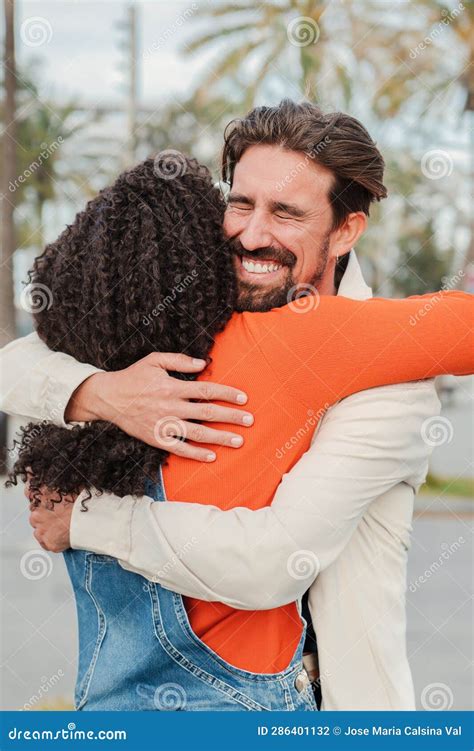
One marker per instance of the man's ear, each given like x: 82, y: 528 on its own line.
x: 346, y: 236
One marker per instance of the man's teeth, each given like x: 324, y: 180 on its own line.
x: 260, y: 268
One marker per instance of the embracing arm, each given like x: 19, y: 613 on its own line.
x: 38, y: 383
x: 262, y: 559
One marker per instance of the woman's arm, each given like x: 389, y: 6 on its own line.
x: 331, y: 347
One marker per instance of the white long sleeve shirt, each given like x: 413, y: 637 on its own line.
x: 344, y: 511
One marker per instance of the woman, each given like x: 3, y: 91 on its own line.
x: 156, y: 274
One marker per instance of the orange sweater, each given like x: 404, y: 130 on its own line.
x: 294, y: 362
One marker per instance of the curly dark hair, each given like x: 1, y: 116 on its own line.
x: 144, y: 268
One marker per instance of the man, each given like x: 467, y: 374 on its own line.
x: 301, y: 186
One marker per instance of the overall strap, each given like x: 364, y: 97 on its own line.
x: 156, y: 490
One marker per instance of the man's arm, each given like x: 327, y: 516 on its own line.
x: 262, y: 559
x: 39, y: 384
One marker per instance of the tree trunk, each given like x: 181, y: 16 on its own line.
x: 7, y: 309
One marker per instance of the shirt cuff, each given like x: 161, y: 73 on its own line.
x: 105, y: 527
x: 58, y: 389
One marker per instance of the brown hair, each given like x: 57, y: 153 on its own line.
x: 336, y: 141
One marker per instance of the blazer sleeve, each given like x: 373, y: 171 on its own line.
x: 258, y: 560
x: 37, y: 383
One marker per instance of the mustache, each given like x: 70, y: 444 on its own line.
x: 279, y: 255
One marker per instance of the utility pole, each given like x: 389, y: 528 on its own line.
x: 132, y: 65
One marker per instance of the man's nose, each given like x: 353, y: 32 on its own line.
x: 255, y: 234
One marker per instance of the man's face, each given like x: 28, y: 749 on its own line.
x: 279, y: 220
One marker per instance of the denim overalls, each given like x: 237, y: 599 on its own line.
x: 137, y: 650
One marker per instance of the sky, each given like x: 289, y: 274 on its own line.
x: 75, y: 50
x: 80, y: 54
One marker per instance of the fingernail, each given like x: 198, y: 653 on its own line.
x: 241, y: 398
x: 237, y: 441
x: 210, y: 457
x: 247, y: 420
x: 198, y: 363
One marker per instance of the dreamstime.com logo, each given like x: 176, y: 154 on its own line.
x: 171, y: 30
x: 171, y: 298
x: 46, y: 685
x: 66, y: 734
x: 438, y: 30
x: 46, y: 151
x: 448, y: 283
x: 302, y: 164
x: 435, y: 566
x: 313, y: 421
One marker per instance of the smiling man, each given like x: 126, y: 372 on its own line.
x: 280, y: 245
x: 295, y: 211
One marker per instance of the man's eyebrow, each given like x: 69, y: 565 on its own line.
x: 287, y: 208
x: 240, y: 198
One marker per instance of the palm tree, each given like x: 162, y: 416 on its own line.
x: 279, y: 41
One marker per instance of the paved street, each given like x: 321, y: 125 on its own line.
x: 38, y: 636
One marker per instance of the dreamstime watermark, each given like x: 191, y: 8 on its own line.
x: 169, y: 164
x: 434, y: 567
x: 437, y: 31
x: 302, y: 31
x: 36, y: 565
x: 436, y: 164
x: 170, y: 31
x: 46, y: 151
x: 46, y: 684
x: 448, y: 283
x: 173, y: 561
x: 302, y: 298
x: 303, y: 163
x: 169, y: 697
x: 314, y: 419
x: 36, y: 297
x: 171, y: 298
x: 437, y: 697
x: 169, y: 431
x: 36, y: 31
x: 436, y: 431
x: 303, y: 564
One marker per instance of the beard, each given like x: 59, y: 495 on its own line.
x: 252, y: 298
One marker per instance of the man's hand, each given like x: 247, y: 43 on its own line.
x: 147, y: 403
x: 52, y: 525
